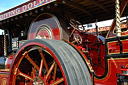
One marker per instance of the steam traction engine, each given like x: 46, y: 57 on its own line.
x: 44, y: 43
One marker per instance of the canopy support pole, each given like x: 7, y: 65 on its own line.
x: 5, y: 43
x: 118, y: 29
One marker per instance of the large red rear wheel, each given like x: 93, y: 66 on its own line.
x: 48, y: 62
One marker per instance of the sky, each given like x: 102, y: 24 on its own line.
x: 7, y: 4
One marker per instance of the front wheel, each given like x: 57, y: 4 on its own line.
x: 48, y: 62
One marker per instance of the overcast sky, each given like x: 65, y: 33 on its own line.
x: 7, y: 4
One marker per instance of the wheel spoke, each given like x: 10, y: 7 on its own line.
x: 41, y: 68
x: 25, y: 75
x: 32, y: 62
x: 33, y: 72
x: 58, y: 81
x: 50, y: 70
x: 55, y: 69
x: 45, y: 63
x: 51, y: 62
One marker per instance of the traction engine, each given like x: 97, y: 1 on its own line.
x: 52, y: 47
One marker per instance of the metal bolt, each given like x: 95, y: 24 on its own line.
x: 122, y: 66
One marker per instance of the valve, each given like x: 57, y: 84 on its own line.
x: 123, y: 77
x: 124, y: 71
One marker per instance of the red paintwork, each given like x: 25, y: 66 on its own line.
x: 18, y: 57
x: 90, y: 41
x: 87, y: 47
x: 56, y: 34
x: 43, y: 33
x: 9, y: 61
x: 113, y: 47
x: 114, y: 67
x: 47, y: 21
x: 124, y: 69
x: 3, y: 78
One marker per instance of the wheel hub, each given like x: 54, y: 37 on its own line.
x: 38, y: 81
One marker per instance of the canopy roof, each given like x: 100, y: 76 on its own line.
x: 85, y: 11
x: 90, y: 10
